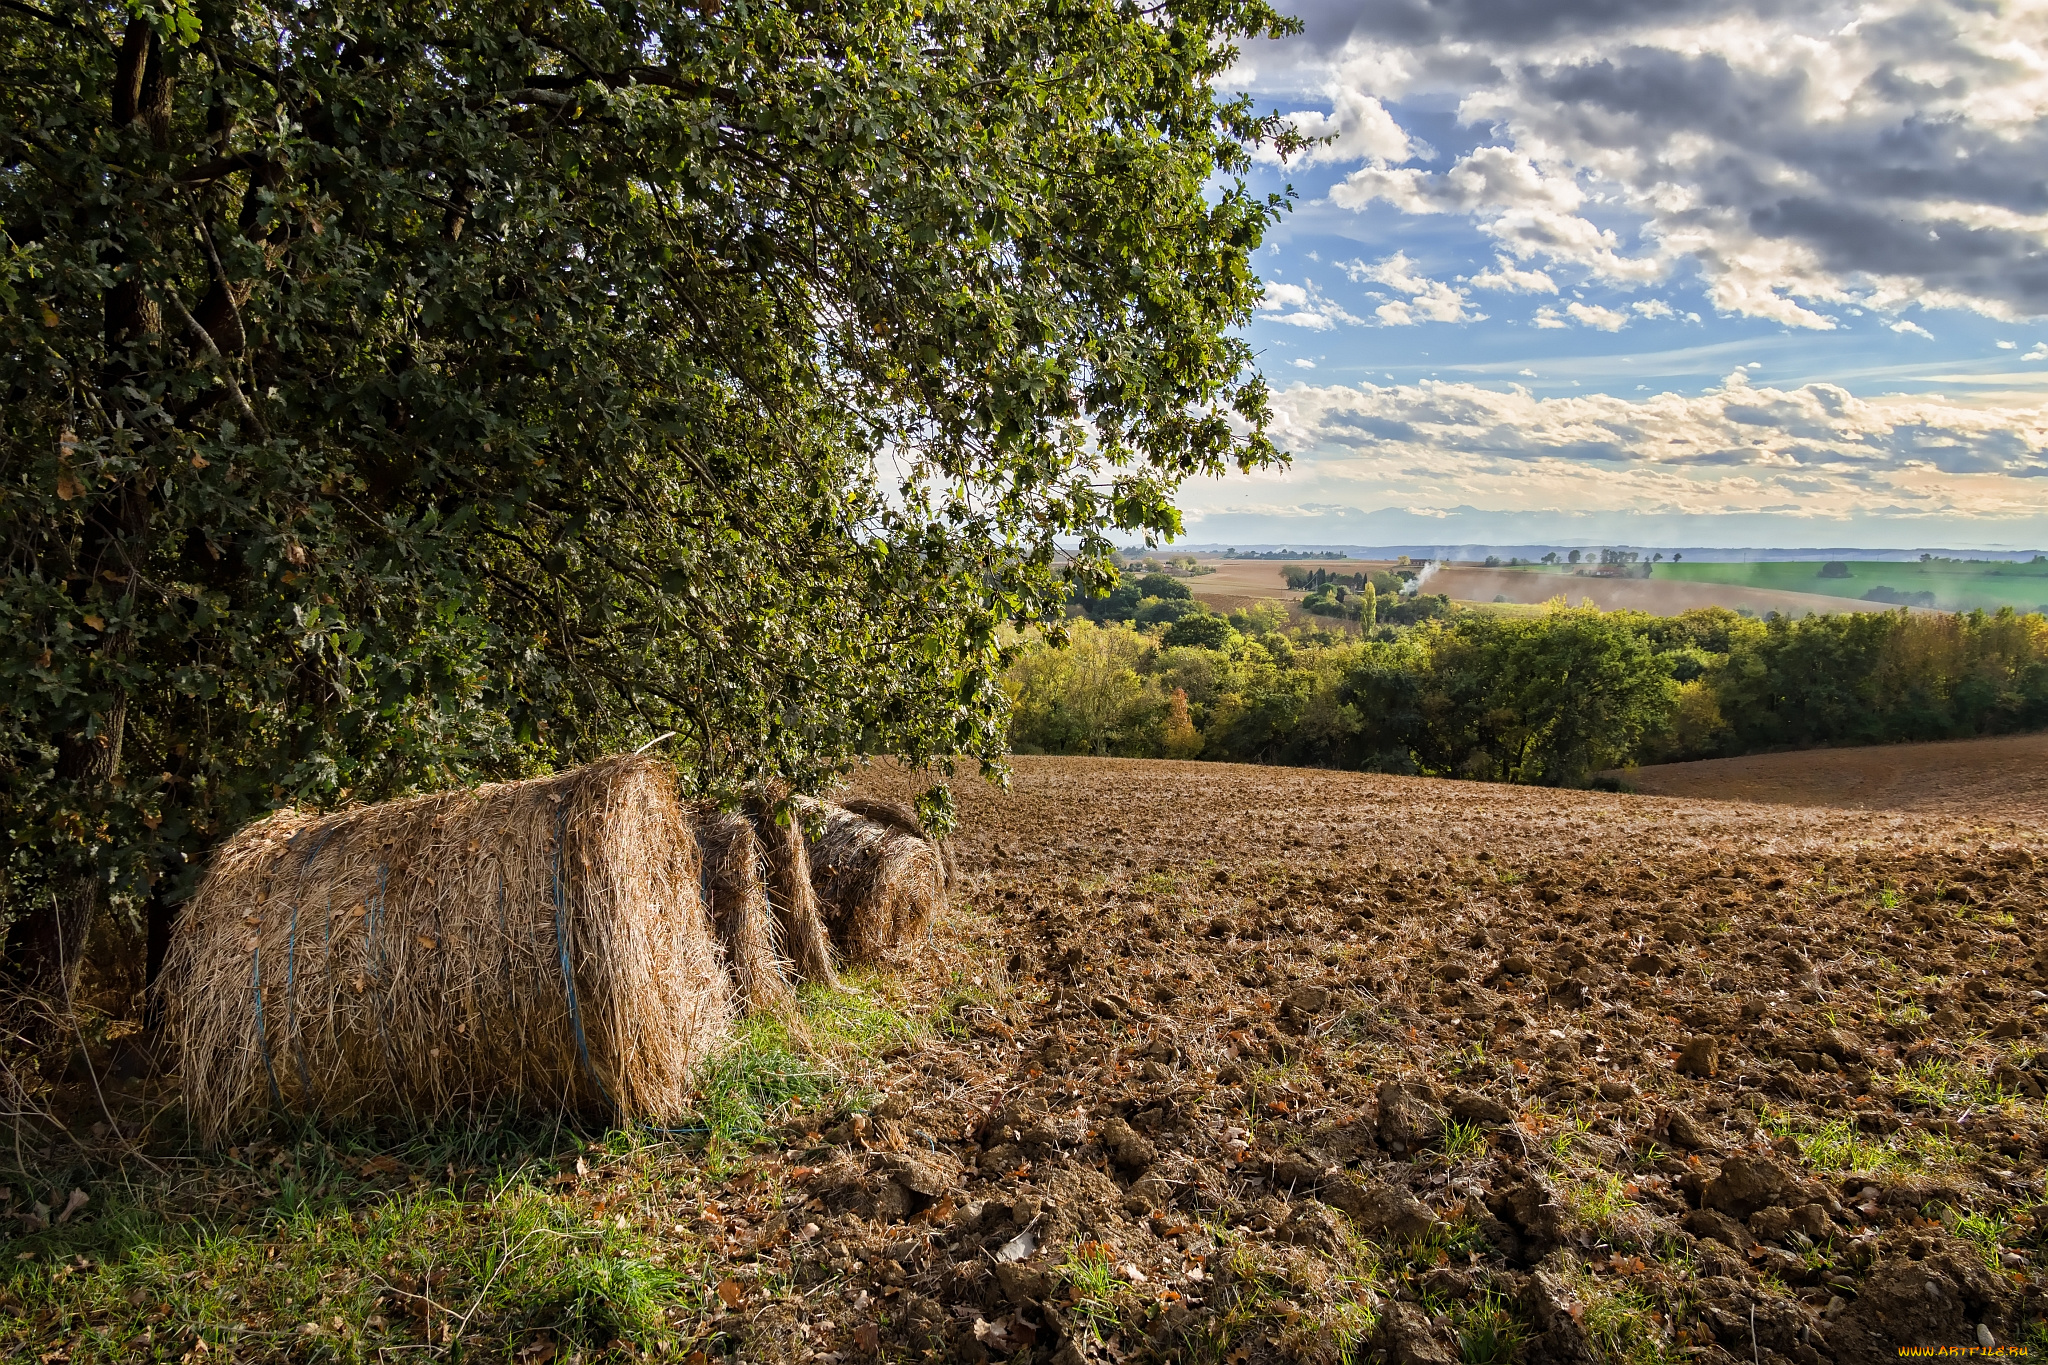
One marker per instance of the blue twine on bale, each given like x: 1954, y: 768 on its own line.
x: 262, y: 1041
x: 562, y: 951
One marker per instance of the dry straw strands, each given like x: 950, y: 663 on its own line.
x: 787, y: 868
x: 539, y: 944
x: 733, y: 866
x: 879, y: 879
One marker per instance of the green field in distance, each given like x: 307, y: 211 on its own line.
x: 1956, y: 584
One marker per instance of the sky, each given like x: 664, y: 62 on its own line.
x: 1712, y: 272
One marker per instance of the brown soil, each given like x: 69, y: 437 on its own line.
x: 1999, y: 779
x: 1238, y: 1064
x: 1248, y: 1064
x: 1659, y: 597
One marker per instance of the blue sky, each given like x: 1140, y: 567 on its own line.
x: 1763, y: 273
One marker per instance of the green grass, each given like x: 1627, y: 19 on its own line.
x: 475, y: 1238
x: 1618, y: 1317
x: 1463, y: 1141
x: 1957, y: 586
x: 1488, y: 1332
x: 1839, y: 1146
x: 1093, y: 1285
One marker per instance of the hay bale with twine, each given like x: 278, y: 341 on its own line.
x: 792, y: 898
x: 733, y: 865
x: 879, y: 877
x: 527, y: 944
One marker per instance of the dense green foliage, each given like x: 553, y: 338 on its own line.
x: 398, y: 394
x: 1551, y: 698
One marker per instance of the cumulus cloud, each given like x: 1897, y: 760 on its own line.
x: 1651, y: 308
x: 1911, y: 329
x: 1428, y: 300
x: 1507, y: 277
x: 2040, y: 352
x: 1296, y: 305
x: 1802, y: 158
x: 1737, y: 446
x: 1592, y: 315
x: 1546, y: 319
x: 1357, y: 128
x: 1300, y: 363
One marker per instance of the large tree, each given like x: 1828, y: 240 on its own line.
x: 398, y: 393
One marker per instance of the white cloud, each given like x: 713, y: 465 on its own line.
x: 1358, y: 128
x: 1526, y: 374
x: 1652, y: 308
x: 2006, y: 345
x: 1428, y: 300
x: 1504, y: 275
x: 1735, y: 447
x: 2040, y: 352
x: 1911, y: 329
x: 1592, y: 315
x: 1301, y: 364
x: 1804, y: 159
x: 1546, y: 319
x: 1299, y: 305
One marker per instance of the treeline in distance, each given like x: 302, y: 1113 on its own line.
x: 1551, y: 698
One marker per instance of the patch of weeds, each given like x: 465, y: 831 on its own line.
x: 1463, y: 1141
x: 1352, y: 1322
x: 1600, y: 1201
x: 1488, y: 1331
x: 1623, y: 1321
x: 1560, y: 1143
x: 1093, y: 1285
x: 867, y: 1018
x: 343, y: 1276
x: 1155, y: 884
x: 775, y: 1067
x: 759, y: 1080
x: 1988, y: 1232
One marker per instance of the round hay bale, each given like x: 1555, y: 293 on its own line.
x: 534, y: 944
x: 901, y: 817
x: 787, y: 860
x: 733, y: 881
x: 879, y: 881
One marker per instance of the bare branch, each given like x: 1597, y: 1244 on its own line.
x: 220, y: 362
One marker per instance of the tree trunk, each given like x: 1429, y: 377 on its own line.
x: 47, y: 943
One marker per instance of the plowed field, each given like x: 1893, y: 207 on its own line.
x: 1999, y: 779
x: 1251, y: 1064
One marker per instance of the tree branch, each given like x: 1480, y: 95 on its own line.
x: 220, y: 362
x: 53, y: 20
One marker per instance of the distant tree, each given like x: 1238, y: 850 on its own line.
x: 1834, y: 568
x: 1676, y: 556
x: 1295, y: 577
x: 1204, y: 631
x: 1574, y: 557
x: 1159, y: 585
x: 1550, y: 557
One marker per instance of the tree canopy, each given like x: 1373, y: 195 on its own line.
x: 398, y: 393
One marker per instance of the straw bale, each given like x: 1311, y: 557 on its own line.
x: 879, y: 881
x: 733, y: 867
x: 787, y: 860
x: 533, y: 944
